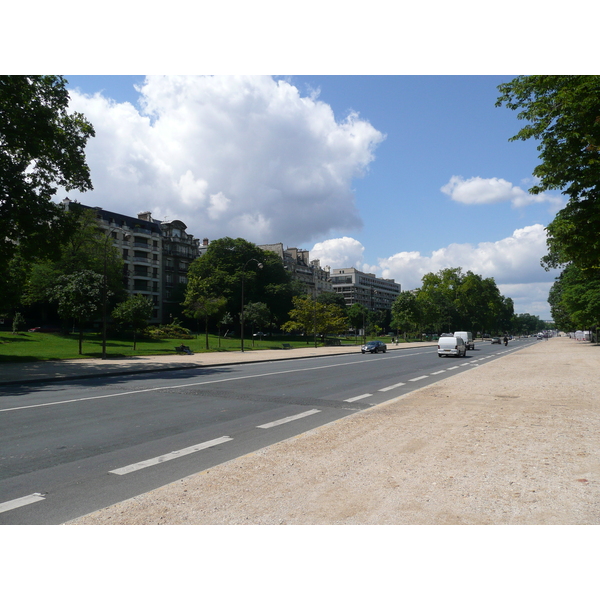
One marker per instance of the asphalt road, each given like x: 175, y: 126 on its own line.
x: 70, y: 448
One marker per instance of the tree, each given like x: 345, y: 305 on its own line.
x: 307, y: 317
x: 258, y: 314
x: 452, y: 301
x: 226, y: 319
x: 564, y: 116
x: 18, y: 323
x: 135, y: 312
x: 333, y: 298
x: 406, y: 314
x: 357, y: 316
x: 86, y: 247
x: 79, y: 297
x: 199, y: 303
x: 41, y: 148
x: 221, y: 268
x: 575, y: 299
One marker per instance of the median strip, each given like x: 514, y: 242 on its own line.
x: 288, y: 419
x: 172, y: 455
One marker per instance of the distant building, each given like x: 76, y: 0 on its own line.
x: 156, y: 254
x: 313, y: 277
x: 372, y: 292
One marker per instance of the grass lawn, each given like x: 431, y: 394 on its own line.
x: 32, y: 346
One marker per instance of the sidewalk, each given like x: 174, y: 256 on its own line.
x: 513, y: 441
x: 45, y: 371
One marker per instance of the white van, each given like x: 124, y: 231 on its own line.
x: 451, y: 346
x: 467, y: 336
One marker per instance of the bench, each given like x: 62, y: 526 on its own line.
x: 184, y: 349
x: 286, y: 346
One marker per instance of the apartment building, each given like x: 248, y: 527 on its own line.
x: 156, y: 255
x: 372, y: 292
x: 313, y: 277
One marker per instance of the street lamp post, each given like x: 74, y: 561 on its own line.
x: 260, y: 266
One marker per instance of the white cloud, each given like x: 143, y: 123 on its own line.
x: 513, y: 262
x: 338, y: 253
x: 477, y: 190
x: 237, y: 156
x: 514, y: 259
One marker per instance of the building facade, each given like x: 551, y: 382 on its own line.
x: 313, y: 277
x: 366, y: 289
x: 156, y: 255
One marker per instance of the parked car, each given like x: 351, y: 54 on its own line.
x: 496, y: 340
x: 374, y: 347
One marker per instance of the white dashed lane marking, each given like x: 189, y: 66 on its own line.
x: 391, y: 387
x: 419, y: 378
x: 288, y: 419
x: 358, y: 398
x: 171, y: 456
x: 18, y: 502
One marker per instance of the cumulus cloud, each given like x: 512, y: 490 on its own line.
x: 237, y: 156
x: 513, y: 262
x: 338, y: 253
x: 477, y: 190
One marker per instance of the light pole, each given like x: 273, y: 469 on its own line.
x: 260, y: 266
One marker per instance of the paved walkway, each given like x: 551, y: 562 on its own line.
x: 42, y: 371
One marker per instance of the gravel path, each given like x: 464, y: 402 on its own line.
x: 513, y: 441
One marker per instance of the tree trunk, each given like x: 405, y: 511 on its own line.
x: 80, y: 339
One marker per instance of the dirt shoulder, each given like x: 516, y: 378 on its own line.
x: 513, y: 441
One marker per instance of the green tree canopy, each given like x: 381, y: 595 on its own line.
x: 563, y: 114
x: 135, y: 312
x: 452, y: 301
x: 575, y: 299
x: 41, y: 148
x: 200, y: 303
x: 224, y: 264
x: 310, y: 317
x: 79, y: 297
x: 86, y: 247
x: 406, y: 313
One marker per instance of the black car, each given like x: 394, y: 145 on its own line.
x: 374, y: 347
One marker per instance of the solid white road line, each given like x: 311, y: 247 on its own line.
x: 288, y: 419
x: 358, y: 398
x: 18, y: 502
x: 172, y: 455
x: 419, y: 378
x: 391, y: 387
x: 186, y: 385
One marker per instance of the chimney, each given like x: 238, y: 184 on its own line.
x: 205, y: 242
x: 145, y: 216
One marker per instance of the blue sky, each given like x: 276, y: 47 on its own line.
x: 397, y: 175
